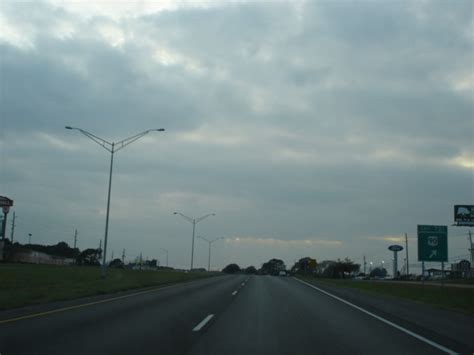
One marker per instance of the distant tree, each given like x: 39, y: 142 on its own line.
x: 305, y: 265
x: 321, y: 267
x: 152, y: 263
x: 340, y: 269
x: 116, y: 263
x: 89, y: 257
x: 62, y: 249
x: 378, y: 272
x: 273, y: 266
x: 251, y: 270
x: 231, y: 269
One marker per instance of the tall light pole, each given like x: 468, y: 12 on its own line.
x: 193, y: 221
x: 111, y: 148
x: 166, y: 251
x: 210, y: 242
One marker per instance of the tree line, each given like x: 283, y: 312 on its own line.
x: 305, y: 266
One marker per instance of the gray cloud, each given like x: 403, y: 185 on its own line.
x: 302, y: 122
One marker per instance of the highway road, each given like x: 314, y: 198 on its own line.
x: 221, y: 315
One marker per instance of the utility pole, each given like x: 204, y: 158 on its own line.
x: 29, y: 238
x: 75, y: 239
x: 100, y: 244
x: 123, y: 256
x: 13, y: 227
x: 166, y: 251
x: 406, y: 251
x: 365, y: 266
x: 112, y: 258
x: 470, y: 243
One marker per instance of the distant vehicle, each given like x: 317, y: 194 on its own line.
x: 282, y: 273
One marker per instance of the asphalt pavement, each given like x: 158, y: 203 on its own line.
x: 222, y: 315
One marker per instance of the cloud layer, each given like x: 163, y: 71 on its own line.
x: 296, y: 122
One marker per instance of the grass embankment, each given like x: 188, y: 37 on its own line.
x: 24, y: 284
x: 458, y: 299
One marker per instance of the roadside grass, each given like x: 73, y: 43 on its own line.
x: 451, y: 298
x: 456, y: 281
x: 28, y: 284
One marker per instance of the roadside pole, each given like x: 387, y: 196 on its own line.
x: 423, y: 272
x: 442, y: 274
x: 4, y: 223
x: 12, y: 232
x: 471, y: 248
x: 406, y: 252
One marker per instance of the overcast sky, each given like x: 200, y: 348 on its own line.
x: 321, y: 128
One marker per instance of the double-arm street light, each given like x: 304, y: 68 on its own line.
x: 210, y: 242
x: 193, y: 221
x: 111, y: 147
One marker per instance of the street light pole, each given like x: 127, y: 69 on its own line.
x: 209, y: 242
x: 103, y: 269
x: 111, y: 148
x: 166, y: 251
x: 193, y: 221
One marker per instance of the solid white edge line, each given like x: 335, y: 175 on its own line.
x: 409, y: 332
x: 198, y: 327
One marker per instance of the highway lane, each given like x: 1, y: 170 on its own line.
x: 158, y: 322
x: 276, y: 315
x: 223, y: 315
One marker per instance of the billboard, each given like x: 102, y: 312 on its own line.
x: 464, y: 215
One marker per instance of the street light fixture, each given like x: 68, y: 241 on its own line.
x: 193, y: 221
x: 111, y: 147
x: 210, y: 242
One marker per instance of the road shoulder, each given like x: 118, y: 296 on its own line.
x: 453, y: 328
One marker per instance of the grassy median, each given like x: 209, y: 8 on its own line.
x: 26, y: 284
x: 457, y: 299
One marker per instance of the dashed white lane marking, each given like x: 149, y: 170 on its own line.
x: 242, y: 284
x: 406, y: 331
x: 234, y: 293
x: 198, y: 327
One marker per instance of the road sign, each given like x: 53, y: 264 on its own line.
x: 432, y: 243
x: 464, y: 215
x: 395, y: 248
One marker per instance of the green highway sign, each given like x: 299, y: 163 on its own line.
x: 432, y: 243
